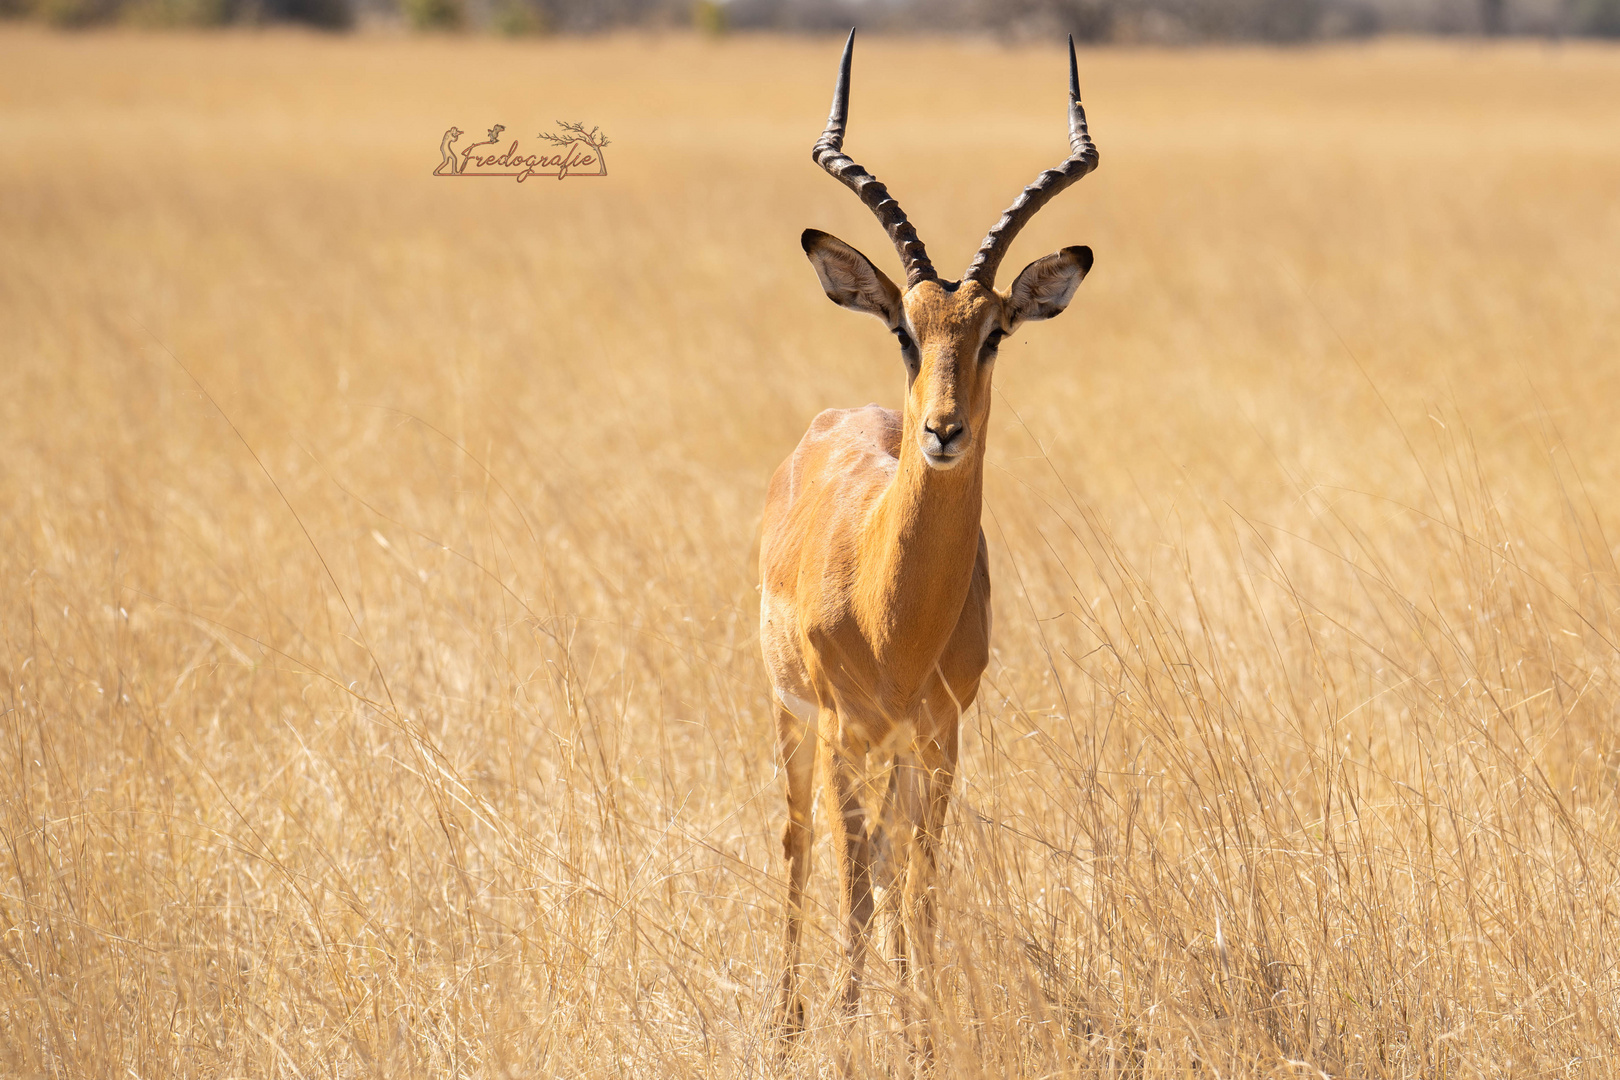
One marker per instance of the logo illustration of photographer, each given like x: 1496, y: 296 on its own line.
x: 569, y: 151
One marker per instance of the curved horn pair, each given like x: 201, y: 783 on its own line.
x: 828, y: 153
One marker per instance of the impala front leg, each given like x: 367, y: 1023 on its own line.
x: 939, y: 773
x: 902, y: 816
x: 936, y: 773
x: 797, y: 741
x: 852, y: 850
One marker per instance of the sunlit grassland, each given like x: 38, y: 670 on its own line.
x: 381, y: 694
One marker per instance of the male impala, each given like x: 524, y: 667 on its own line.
x: 875, y: 582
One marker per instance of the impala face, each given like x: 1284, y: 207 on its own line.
x: 948, y: 333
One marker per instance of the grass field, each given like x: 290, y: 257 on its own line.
x: 382, y: 695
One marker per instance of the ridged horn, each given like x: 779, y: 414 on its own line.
x: 829, y: 154
x: 1082, y: 159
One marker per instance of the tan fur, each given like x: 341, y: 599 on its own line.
x: 875, y: 608
x: 874, y: 575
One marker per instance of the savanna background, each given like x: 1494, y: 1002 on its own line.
x: 381, y: 694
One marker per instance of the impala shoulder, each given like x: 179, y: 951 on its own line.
x: 868, y: 428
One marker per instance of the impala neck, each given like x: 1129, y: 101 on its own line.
x: 921, y: 544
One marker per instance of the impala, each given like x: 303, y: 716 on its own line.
x: 874, y: 575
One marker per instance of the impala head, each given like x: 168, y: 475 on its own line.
x: 948, y: 331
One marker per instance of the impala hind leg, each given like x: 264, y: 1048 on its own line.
x: 796, y: 740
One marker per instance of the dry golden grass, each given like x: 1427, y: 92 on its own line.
x: 393, y: 707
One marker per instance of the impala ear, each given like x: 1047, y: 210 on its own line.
x: 849, y: 278
x: 1045, y: 287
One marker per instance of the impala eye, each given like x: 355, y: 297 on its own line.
x: 908, y: 349
x: 991, y: 343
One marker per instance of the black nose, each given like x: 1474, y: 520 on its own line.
x: 944, y: 431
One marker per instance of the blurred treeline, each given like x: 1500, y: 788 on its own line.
x: 1159, y: 21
